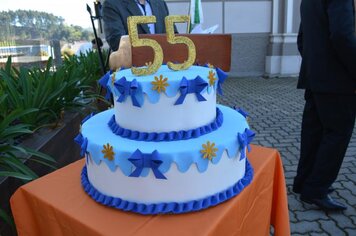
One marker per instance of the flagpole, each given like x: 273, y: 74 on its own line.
x: 196, y: 14
x: 188, y: 27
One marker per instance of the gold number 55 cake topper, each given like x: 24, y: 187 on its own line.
x: 133, y: 21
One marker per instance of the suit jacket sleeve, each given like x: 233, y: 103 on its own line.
x: 300, y: 40
x: 113, y: 23
x: 342, y: 32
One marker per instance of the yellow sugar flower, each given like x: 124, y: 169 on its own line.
x: 209, y: 150
x: 160, y: 84
x: 108, y: 152
x: 212, y: 78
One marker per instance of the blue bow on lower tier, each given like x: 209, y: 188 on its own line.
x: 245, y: 139
x: 222, y: 75
x: 241, y: 111
x: 127, y: 88
x: 142, y: 160
x: 104, y: 83
x: 83, y: 142
x: 196, y: 86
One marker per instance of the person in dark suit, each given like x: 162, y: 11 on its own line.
x: 115, y: 13
x: 327, y: 44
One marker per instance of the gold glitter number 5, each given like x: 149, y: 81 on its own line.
x: 132, y: 23
x: 172, y: 39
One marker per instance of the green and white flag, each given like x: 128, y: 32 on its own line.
x: 196, y: 14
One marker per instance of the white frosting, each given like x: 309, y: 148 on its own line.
x: 164, y: 116
x: 178, y: 187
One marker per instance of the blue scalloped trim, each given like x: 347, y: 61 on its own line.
x: 171, y: 207
x: 145, y: 86
x: 167, y: 136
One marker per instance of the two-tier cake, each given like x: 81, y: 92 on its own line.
x: 166, y: 146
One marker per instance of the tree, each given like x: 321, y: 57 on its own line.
x: 29, y: 24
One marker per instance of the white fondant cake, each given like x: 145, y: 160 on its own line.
x: 165, y: 146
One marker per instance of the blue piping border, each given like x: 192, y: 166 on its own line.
x: 166, y: 136
x: 171, y: 207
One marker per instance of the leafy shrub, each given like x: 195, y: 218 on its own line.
x: 11, y: 154
x: 35, y: 98
x: 50, y: 92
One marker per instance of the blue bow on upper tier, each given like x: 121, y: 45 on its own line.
x: 245, y: 139
x: 191, y: 86
x: 222, y: 77
x: 104, y: 83
x: 142, y: 160
x: 83, y: 142
x: 127, y: 88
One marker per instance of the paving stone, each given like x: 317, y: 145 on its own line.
x: 345, y: 171
x: 330, y: 227
x: 347, y: 164
x: 353, y: 218
x: 350, y: 231
x: 310, y: 215
x: 294, y: 151
x: 287, y: 162
x: 305, y: 227
x: 319, y: 234
x: 342, y: 177
x: 289, y: 181
x: 345, y: 195
x: 265, y: 144
x: 350, y: 186
x: 294, y: 204
x: 292, y: 217
x: 288, y: 140
x: 290, y: 174
x: 337, y: 185
x: 351, y: 177
x: 341, y: 220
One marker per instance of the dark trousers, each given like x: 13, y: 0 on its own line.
x: 328, y: 122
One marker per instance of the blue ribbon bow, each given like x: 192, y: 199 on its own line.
x: 142, y: 160
x: 83, y: 143
x: 103, y: 81
x: 127, y: 88
x: 191, y: 86
x: 245, y: 139
x: 222, y: 77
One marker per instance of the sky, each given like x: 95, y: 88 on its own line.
x: 73, y: 11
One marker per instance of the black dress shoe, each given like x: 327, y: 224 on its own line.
x: 327, y: 203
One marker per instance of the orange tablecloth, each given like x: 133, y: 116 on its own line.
x: 56, y: 204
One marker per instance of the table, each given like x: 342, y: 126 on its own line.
x: 56, y: 204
